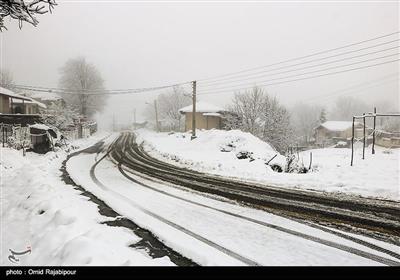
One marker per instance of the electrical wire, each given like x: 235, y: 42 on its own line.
x: 298, y: 58
x: 292, y: 70
x: 301, y: 79
x: 306, y: 73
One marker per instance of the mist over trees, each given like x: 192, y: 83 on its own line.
x: 347, y: 106
x: 262, y: 115
x: 80, y: 76
x: 304, y: 118
x: 6, y: 79
x: 168, y: 105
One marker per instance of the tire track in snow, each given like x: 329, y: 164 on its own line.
x: 348, y: 249
x: 172, y: 224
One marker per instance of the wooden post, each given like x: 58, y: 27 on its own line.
x: 194, y: 111
x: 134, y: 118
x: 363, y: 136
x: 373, y: 133
x: 156, y: 110
x: 2, y: 128
x: 352, y: 143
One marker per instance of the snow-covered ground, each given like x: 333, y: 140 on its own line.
x: 215, y: 232
x: 40, y: 211
x: 376, y: 176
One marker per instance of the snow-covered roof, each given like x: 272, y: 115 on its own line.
x: 202, y: 107
x: 338, y: 125
x: 45, y: 96
x: 31, y: 101
x: 40, y: 126
x: 212, y: 114
x: 9, y: 93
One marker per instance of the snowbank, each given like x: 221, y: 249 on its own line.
x: 376, y: 176
x: 215, y: 151
x: 40, y: 211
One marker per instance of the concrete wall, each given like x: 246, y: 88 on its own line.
x: 202, y: 122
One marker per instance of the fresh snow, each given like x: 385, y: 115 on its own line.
x: 12, y: 94
x: 59, y: 224
x: 376, y: 176
x: 168, y: 210
x: 338, y: 125
x: 212, y: 151
x: 202, y: 107
x: 40, y: 126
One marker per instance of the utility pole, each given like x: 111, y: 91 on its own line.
x: 134, y: 118
x: 113, y: 123
x: 156, y: 110
x: 194, y: 111
x: 363, y: 136
x: 373, y: 133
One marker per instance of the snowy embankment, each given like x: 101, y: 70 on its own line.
x: 212, y: 152
x: 40, y: 211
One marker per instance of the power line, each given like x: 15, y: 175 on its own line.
x: 301, y: 79
x: 358, y: 87
x: 310, y: 72
x: 298, y: 58
x: 93, y: 91
x: 206, y: 84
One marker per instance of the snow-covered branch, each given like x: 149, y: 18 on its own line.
x: 23, y: 10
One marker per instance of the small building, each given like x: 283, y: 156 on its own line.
x: 29, y: 106
x: 388, y: 139
x: 46, y: 98
x: 331, y: 132
x: 208, y: 116
x: 7, y: 99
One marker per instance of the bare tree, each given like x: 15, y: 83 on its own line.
x: 23, y: 10
x: 81, y: 77
x: 6, y: 79
x: 262, y: 115
x: 249, y: 107
x: 168, y: 105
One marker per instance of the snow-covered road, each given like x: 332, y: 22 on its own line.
x: 216, y: 232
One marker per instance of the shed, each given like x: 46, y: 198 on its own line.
x: 208, y: 116
x: 332, y: 131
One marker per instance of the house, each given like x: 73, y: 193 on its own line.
x: 46, y: 98
x: 331, y: 132
x: 29, y: 106
x: 7, y: 98
x: 208, y: 116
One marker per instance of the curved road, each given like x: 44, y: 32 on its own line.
x: 165, y: 200
x: 371, y: 216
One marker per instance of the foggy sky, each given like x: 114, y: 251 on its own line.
x: 139, y: 44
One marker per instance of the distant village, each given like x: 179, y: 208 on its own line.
x: 26, y: 118
x: 28, y: 122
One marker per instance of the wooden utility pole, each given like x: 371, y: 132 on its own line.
x: 373, y: 133
x: 352, y: 143
x: 113, y: 123
x: 363, y: 136
x: 156, y: 110
x: 194, y: 111
x: 134, y: 118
